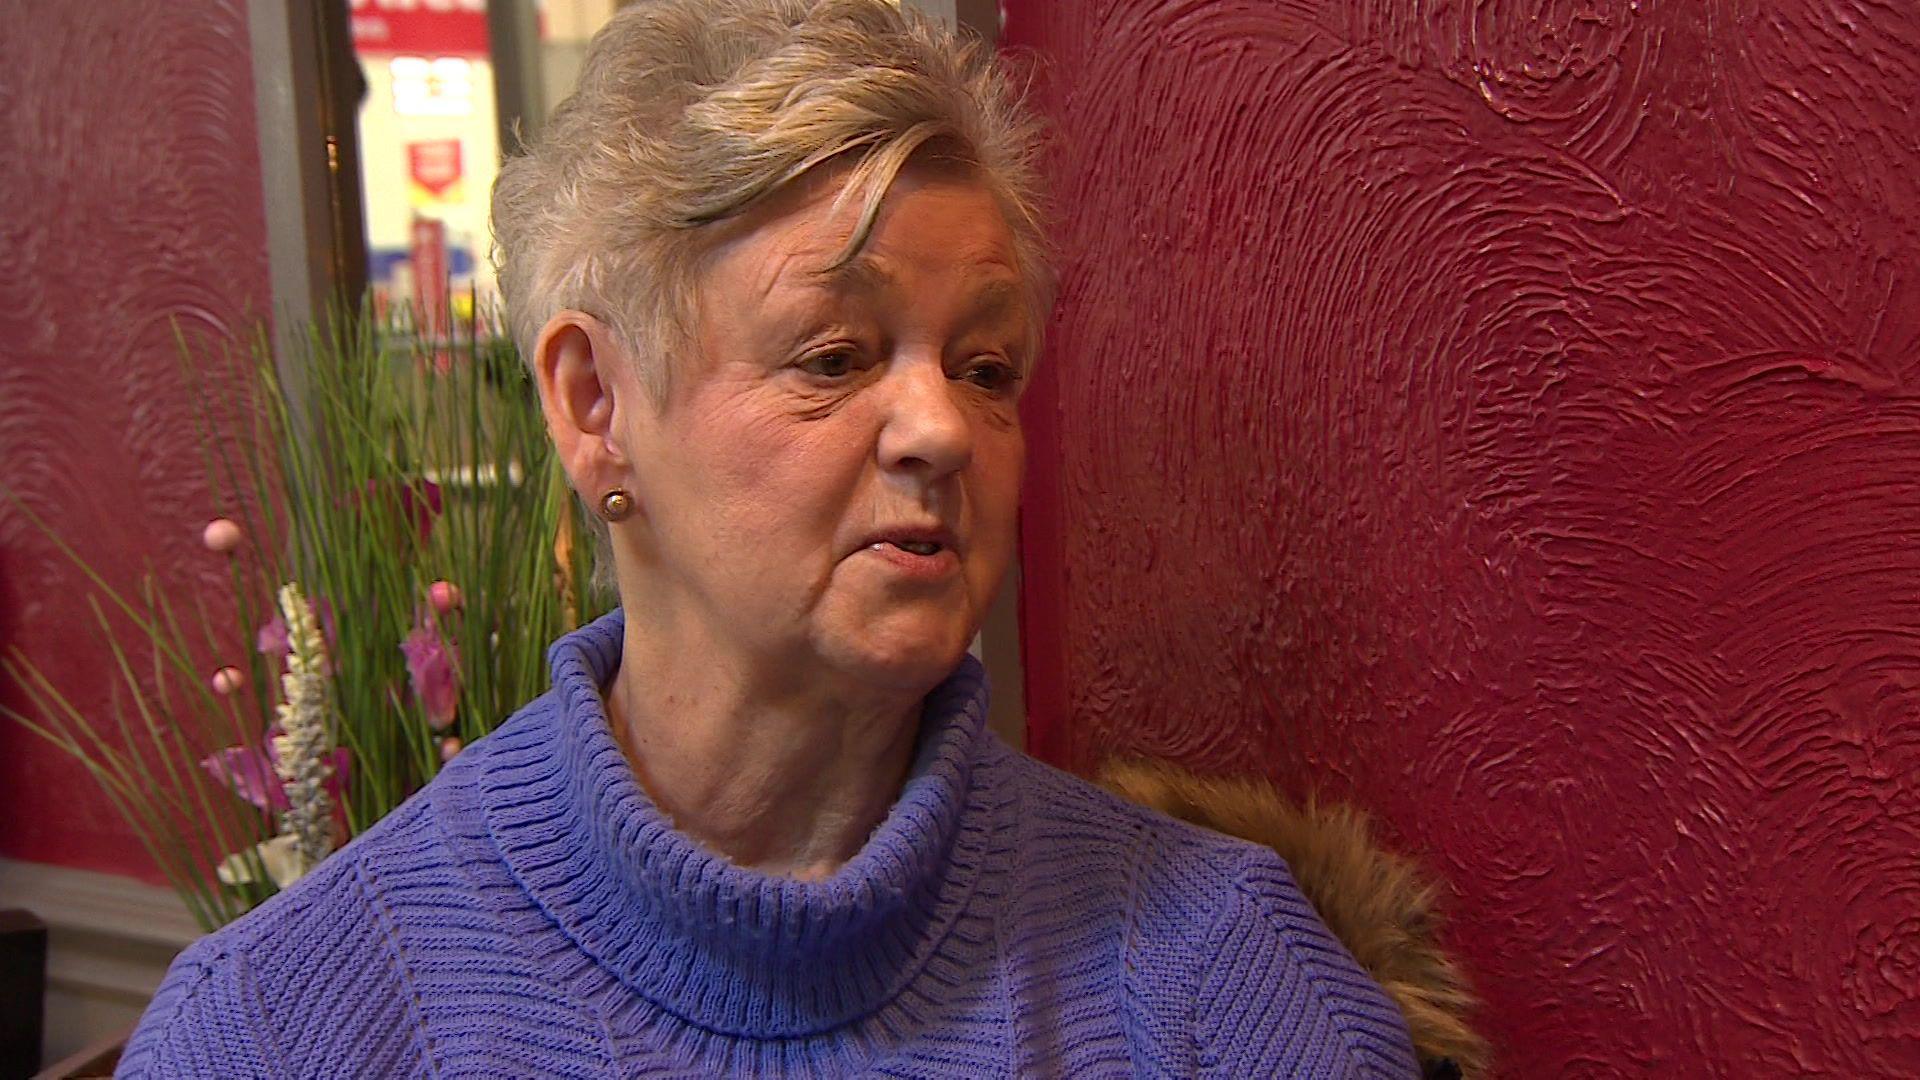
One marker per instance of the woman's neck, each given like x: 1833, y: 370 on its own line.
x: 788, y: 784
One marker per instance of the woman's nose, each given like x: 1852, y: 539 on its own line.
x: 926, y: 431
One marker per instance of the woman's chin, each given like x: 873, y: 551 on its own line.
x: 906, y: 658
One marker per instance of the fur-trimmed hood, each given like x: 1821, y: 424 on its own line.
x: 1377, y: 903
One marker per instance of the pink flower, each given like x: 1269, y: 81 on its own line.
x: 271, y: 638
x: 433, y: 667
x: 420, y: 503
x: 417, y: 502
x: 249, y: 772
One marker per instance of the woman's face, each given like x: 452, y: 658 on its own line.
x: 830, y: 486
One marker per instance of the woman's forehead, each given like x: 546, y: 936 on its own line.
x: 952, y: 230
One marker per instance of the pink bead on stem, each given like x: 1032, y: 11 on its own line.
x: 444, y: 596
x: 227, y: 680
x: 221, y: 535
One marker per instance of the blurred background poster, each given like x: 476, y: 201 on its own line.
x: 430, y: 139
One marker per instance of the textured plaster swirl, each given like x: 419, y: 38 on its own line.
x: 1506, y: 415
x: 130, y: 205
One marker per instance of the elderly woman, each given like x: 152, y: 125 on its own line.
x: 777, y: 269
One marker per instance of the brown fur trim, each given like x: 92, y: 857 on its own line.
x: 1377, y: 903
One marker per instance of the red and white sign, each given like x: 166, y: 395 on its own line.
x: 434, y: 165
x: 430, y: 284
x: 420, y: 27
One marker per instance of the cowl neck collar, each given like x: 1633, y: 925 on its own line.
x: 723, y: 947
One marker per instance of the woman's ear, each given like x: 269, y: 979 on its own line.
x: 581, y: 371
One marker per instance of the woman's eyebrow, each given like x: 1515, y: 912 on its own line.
x: 858, y: 274
x: 999, y: 297
x: 863, y: 275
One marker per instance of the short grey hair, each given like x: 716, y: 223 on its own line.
x: 688, y: 112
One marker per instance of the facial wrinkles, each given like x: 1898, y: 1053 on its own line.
x: 960, y: 322
x: 886, y: 301
x: 798, y: 296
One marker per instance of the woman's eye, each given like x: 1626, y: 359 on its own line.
x: 996, y: 376
x: 833, y: 365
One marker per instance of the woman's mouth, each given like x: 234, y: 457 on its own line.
x: 926, y: 561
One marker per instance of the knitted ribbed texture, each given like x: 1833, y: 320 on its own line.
x: 531, y: 913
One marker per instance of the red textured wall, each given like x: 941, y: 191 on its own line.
x: 1507, y: 416
x: 129, y: 202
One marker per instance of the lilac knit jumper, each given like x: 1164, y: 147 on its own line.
x: 531, y: 913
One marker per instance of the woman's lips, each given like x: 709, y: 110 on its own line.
x: 939, y: 565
